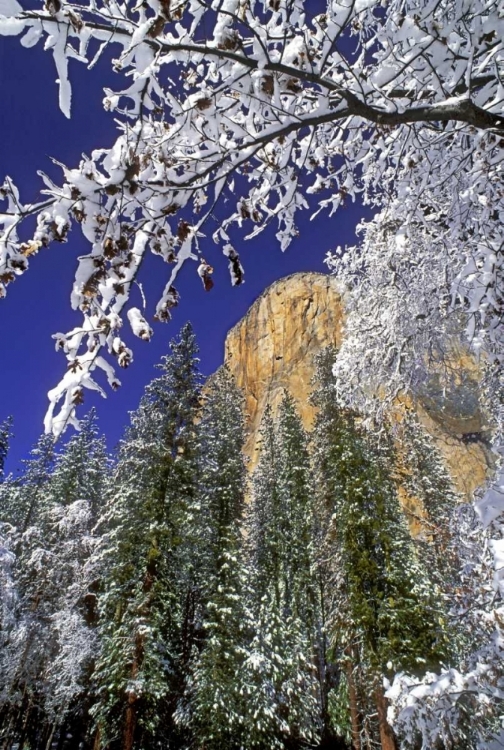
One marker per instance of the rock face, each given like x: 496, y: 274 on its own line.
x: 273, y: 348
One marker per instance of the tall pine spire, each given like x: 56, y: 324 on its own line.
x: 215, y: 705
x: 385, y: 616
x: 46, y: 662
x: 5, y: 436
x: 284, y: 699
x: 150, y: 603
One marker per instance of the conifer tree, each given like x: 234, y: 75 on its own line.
x: 385, y: 616
x: 20, y: 656
x: 8, y: 593
x: 215, y: 705
x: 5, y: 436
x: 7, y: 557
x: 76, y: 489
x: 80, y: 469
x: 21, y: 499
x: 425, y: 477
x: 284, y: 700
x: 150, y: 603
x: 50, y: 646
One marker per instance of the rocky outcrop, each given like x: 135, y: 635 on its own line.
x: 273, y: 348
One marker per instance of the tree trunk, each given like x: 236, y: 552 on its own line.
x: 131, y: 709
x: 387, y: 736
x: 9, y: 735
x: 97, y: 740
x: 15, y: 723
x: 354, y: 707
x: 25, y: 727
x: 129, y: 725
x: 50, y: 738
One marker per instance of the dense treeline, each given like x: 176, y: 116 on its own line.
x: 145, y: 604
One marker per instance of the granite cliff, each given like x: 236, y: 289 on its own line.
x: 273, y: 347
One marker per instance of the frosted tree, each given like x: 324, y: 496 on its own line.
x: 385, y: 615
x: 77, y: 490
x: 215, y: 705
x: 282, y: 105
x: 7, y: 557
x: 284, y: 693
x: 150, y: 601
x: 21, y: 500
x: 5, y: 436
x: 50, y: 646
x: 81, y: 468
x: 8, y: 593
x: 461, y: 706
x: 423, y: 475
x: 20, y: 503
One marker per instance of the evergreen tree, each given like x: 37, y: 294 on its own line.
x: 50, y: 644
x: 284, y: 699
x: 81, y: 468
x: 8, y: 593
x: 21, y: 657
x: 76, y: 489
x: 425, y: 477
x: 385, y: 615
x: 7, y: 557
x: 215, y: 705
x: 21, y: 499
x: 150, y: 605
x: 5, y: 436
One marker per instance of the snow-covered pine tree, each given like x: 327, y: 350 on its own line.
x: 263, y: 517
x: 7, y: 557
x: 295, y: 487
x: 20, y: 503
x: 8, y: 596
x: 385, y: 616
x: 424, y: 476
x: 50, y: 648
x: 21, y: 499
x: 150, y: 602
x: 81, y: 468
x: 77, y: 493
x: 214, y: 707
x: 461, y: 706
x: 5, y: 436
x: 282, y: 688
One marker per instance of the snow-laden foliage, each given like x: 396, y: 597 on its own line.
x: 215, y: 704
x: 148, y: 557
x: 7, y: 584
x: 258, y: 105
x: 461, y: 706
x: 283, y: 671
x: 5, y: 435
x: 384, y: 612
x: 49, y: 642
x: 410, y: 297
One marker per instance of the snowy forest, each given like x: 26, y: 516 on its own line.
x: 167, y: 596
x: 162, y: 598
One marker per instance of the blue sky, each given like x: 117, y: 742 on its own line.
x: 32, y: 129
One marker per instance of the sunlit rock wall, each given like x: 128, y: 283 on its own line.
x: 273, y: 348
